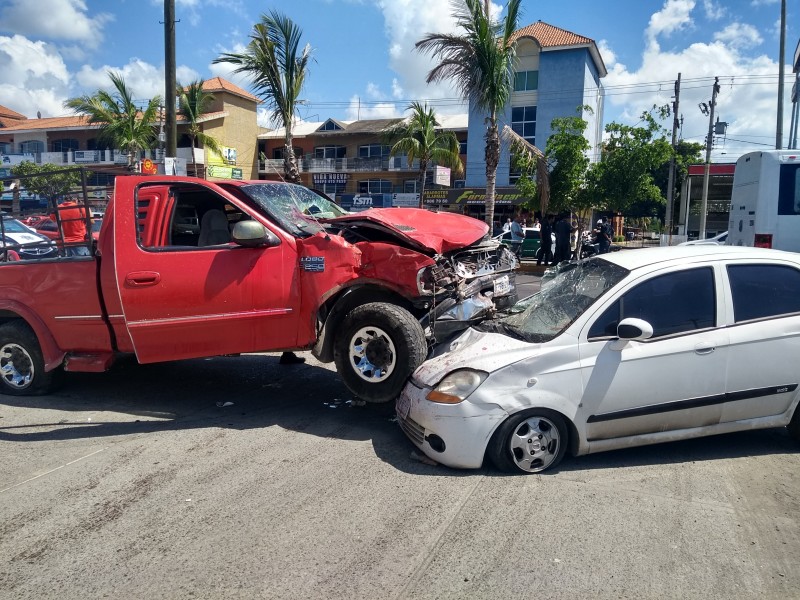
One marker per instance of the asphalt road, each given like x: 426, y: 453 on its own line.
x: 143, y: 483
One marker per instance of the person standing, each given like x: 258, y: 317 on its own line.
x: 545, y: 254
x: 517, y: 235
x: 562, y: 231
x: 72, y: 219
x: 604, y: 235
x: 507, y: 226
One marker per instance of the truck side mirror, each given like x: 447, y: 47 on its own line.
x: 252, y: 234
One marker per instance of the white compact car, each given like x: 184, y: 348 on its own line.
x: 625, y: 349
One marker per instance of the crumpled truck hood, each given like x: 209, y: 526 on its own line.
x: 473, y: 349
x: 438, y: 232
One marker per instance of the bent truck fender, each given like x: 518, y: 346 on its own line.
x: 52, y: 354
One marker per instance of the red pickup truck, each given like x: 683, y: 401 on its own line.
x: 187, y: 268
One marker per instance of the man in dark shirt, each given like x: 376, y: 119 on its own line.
x: 545, y: 254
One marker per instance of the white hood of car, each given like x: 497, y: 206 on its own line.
x: 25, y: 238
x: 474, y: 349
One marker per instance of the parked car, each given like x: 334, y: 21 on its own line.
x: 621, y: 350
x: 718, y: 240
x: 531, y: 243
x: 24, y: 241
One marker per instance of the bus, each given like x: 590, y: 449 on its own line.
x: 765, y: 203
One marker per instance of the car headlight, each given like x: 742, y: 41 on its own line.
x: 425, y: 281
x: 457, y: 386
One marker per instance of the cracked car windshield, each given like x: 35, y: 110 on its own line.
x: 295, y: 208
x: 561, y: 301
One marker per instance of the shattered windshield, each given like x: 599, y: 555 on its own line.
x: 558, y: 304
x: 295, y: 208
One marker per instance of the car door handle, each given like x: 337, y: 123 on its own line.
x: 142, y: 278
x: 704, y: 348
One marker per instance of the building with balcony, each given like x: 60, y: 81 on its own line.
x: 72, y: 141
x: 346, y: 158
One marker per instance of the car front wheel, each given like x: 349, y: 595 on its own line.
x: 529, y: 442
x: 377, y: 347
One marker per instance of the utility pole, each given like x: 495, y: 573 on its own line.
x: 169, y: 77
x: 671, y: 182
x: 781, y: 60
x: 709, y: 143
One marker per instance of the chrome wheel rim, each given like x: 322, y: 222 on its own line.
x: 372, y: 354
x: 534, y: 444
x: 16, y: 366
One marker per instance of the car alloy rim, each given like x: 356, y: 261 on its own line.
x: 16, y: 366
x: 534, y: 444
x: 372, y: 354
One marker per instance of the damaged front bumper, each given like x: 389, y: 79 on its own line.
x: 467, y: 287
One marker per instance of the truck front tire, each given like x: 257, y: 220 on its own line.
x: 21, y: 363
x: 377, y: 347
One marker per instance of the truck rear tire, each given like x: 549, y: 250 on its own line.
x: 21, y: 363
x: 377, y: 347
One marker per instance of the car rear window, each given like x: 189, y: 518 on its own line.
x: 762, y: 291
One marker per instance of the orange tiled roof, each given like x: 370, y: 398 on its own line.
x: 549, y: 36
x: 216, y: 84
x: 50, y: 123
x: 10, y: 114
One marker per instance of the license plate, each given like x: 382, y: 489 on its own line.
x: 403, y: 406
x: 502, y: 285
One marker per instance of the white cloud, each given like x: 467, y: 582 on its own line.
x: 673, y: 16
x: 33, y: 78
x: 714, y: 11
x: 54, y: 19
x: 143, y: 79
x: 739, y: 35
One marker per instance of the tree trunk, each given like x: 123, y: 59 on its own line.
x: 16, y: 209
x: 492, y: 159
x: 194, y: 159
x: 423, y: 171
x: 290, y: 171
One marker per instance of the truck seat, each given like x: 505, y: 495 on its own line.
x: 214, y: 229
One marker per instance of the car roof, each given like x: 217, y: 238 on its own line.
x: 637, y: 258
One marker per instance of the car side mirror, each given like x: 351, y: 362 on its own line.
x: 634, y: 329
x: 252, y: 234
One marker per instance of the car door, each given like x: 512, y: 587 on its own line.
x: 764, y: 340
x: 181, y: 300
x: 675, y: 379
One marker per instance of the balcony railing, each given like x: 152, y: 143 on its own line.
x: 106, y: 157
x: 333, y: 165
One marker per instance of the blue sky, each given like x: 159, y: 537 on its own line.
x: 364, y: 65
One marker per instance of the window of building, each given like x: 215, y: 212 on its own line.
x: 674, y: 303
x: 330, y: 151
x: 330, y: 189
x: 374, y: 186
x: 64, y: 145
x: 277, y: 153
x: 462, y: 147
x: 95, y: 144
x: 329, y: 126
x: 459, y: 184
x: 373, y: 151
x: 523, y: 122
x: 410, y: 186
x: 526, y: 81
x: 31, y: 147
x: 752, y: 285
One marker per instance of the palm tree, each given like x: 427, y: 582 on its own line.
x: 277, y: 66
x: 193, y: 103
x: 480, y: 61
x: 122, y: 124
x: 418, y: 138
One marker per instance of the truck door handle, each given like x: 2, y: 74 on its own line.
x: 142, y: 278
